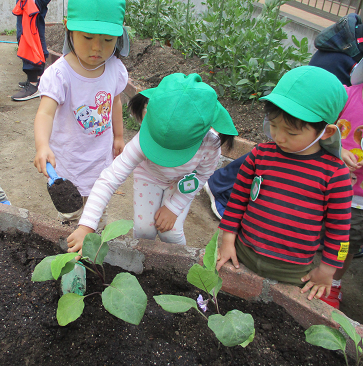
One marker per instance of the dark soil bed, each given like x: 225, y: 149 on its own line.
x: 148, y: 63
x: 31, y: 335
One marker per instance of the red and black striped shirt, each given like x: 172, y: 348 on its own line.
x: 298, y: 193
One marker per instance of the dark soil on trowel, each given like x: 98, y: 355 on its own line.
x: 65, y: 196
x: 31, y: 335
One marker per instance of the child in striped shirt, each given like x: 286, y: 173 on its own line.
x: 171, y: 158
x: 286, y: 189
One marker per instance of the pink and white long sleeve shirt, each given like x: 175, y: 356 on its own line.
x: 132, y: 159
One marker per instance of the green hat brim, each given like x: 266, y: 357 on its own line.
x: 291, y: 107
x: 95, y: 27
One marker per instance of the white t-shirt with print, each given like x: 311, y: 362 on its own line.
x: 82, y: 134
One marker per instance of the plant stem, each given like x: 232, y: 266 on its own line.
x: 89, y: 268
x: 267, y: 51
x: 202, y: 314
x: 186, y: 26
x: 156, y: 19
x: 217, y: 36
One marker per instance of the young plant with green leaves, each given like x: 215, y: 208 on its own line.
x: 234, y: 328
x: 333, y: 339
x: 123, y: 297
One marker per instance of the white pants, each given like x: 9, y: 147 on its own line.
x: 148, y: 198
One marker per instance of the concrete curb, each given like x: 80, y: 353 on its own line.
x: 139, y: 255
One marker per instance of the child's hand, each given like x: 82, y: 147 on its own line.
x: 164, y: 219
x: 350, y: 160
x: 320, y: 280
x: 227, y: 250
x: 118, y: 146
x: 75, y: 240
x: 44, y: 155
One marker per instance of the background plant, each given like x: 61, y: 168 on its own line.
x: 244, y: 53
x: 333, y: 339
x: 232, y: 329
x: 123, y: 297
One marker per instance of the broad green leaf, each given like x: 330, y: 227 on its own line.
x: 211, y: 252
x: 125, y: 298
x: 70, y: 308
x: 347, y: 326
x: 242, y: 82
x: 248, y: 340
x: 116, y: 229
x: 326, y: 337
x: 202, y: 278
x: 91, y: 244
x: 232, y: 329
x: 296, y: 42
x: 175, y: 304
x: 43, y: 270
x: 216, y: 289
x: 59, y: 262
x: 271, y: 64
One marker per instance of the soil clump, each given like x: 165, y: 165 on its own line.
x: 31, y: 335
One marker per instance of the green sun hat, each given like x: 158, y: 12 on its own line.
x: 311, y: 94
x: 180, y: 112
x: 96, y: 16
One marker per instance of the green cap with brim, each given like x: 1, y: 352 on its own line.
x: 311, y: 94
x: 180, y: 112
x: 96, y: 16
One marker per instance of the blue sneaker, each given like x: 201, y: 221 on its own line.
x: 359, y: 254
x: 6, y: 203
x: 217, y: 207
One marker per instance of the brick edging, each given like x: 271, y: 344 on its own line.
x: 137, y: 255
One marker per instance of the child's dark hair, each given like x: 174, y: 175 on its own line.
x: 119, y: 44
x: 272, y: 111
x: 138, y: 102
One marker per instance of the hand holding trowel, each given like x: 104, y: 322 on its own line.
x: 64, y: 193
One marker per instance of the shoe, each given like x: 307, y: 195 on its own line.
x: 216, y: 206
x: 29, y: 91
x: 23, y: 84
x: 359, y: 254
x: 334, y: 298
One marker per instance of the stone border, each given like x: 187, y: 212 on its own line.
x: 137, y: 255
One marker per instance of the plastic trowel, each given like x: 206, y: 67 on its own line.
x: 74, y: 281
x: 64, y: 193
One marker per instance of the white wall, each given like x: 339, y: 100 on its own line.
x: 8, y: 20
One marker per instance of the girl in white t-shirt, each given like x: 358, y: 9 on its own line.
x: 78, y: 126
x: 171, y: 158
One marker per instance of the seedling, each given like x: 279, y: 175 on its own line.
x: 123, y: 298
x: 234, y: 328
x: 333, y: 339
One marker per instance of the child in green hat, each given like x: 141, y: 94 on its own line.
x: 286, y: 189
x: 171, y: 158
x: 78, y: 127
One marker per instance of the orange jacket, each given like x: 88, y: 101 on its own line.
x: 30, y: 47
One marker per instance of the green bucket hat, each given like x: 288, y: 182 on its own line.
x: 96, y: 16
x: 180, y: 112
x: 311, y: 94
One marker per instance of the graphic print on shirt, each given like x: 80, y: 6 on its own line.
x: 355, y: 135
x: 95, y: 120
